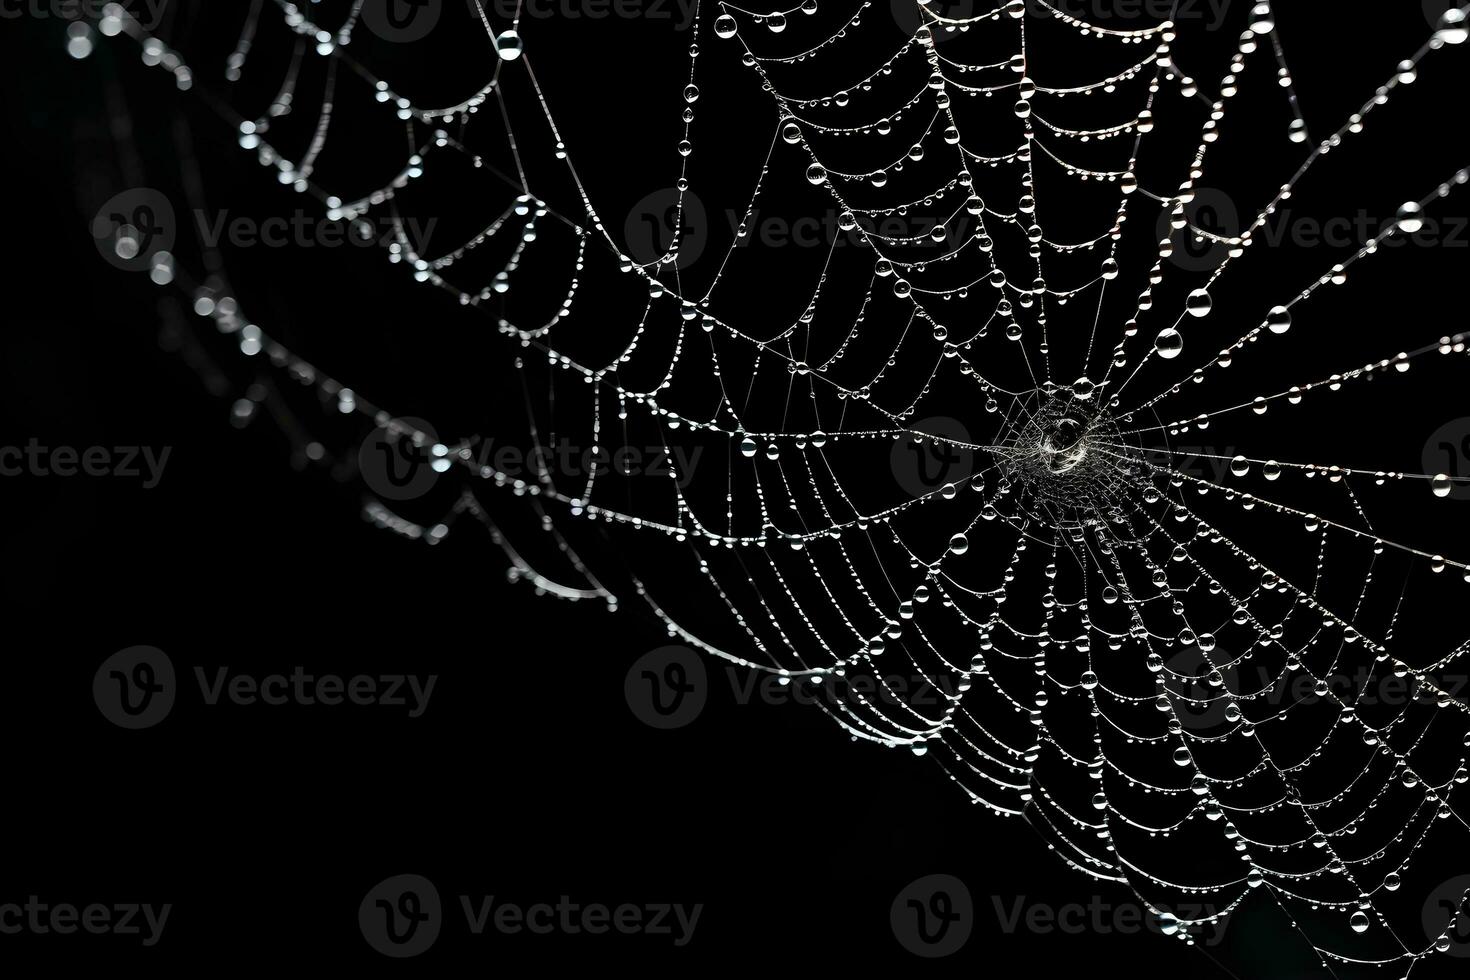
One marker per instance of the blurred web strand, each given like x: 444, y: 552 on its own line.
x: 1068, y: 471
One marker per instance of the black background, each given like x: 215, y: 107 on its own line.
x: 528, y: 778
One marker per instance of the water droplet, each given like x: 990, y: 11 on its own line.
x: 1279, y: 320
x: 1169, y: 344
x: 1452, y: 27
x: 79, y: 41
x: 1263, y: 20
x: 508, y: 45
x: 1411, y: 218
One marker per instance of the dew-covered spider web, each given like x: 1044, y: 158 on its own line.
x: 1172, y: 568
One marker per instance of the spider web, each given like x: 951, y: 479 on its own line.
x: 1116, y: 664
